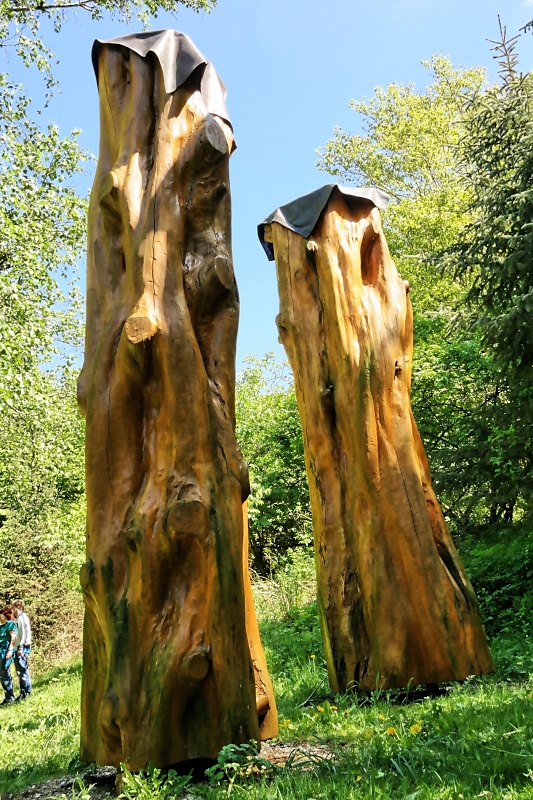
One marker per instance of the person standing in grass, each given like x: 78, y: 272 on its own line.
x: 22, y: 648
x: 8, y: 637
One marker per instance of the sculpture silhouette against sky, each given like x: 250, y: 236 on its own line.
x: 170, y: 672
x: 395, y: 604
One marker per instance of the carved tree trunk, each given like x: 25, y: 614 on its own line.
x: 167, y: 671
x: 396, y: 606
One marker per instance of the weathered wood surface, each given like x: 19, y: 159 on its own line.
x: 167, y: 670
x: 264, y: 691
x: 395, y: 603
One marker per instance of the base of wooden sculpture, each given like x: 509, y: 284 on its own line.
x: 395, y: 604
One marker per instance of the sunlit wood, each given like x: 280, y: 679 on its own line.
x: 395, y: 603
x: 167, y: 670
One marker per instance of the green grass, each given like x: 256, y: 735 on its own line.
x: 475, y: 741
x: 40, y: 737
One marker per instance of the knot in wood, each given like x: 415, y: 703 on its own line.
x: 196, y: 664
x: 86, y: 574
x: 187, y: 516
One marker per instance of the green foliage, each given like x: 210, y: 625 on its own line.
x: 42, y: 235
x: 480, y: 454
x: 407, y: 149
x: 293, y: 647
x: 43, y: 732
x: 496, y: 249
x: 42, y: 239
x: 80, y: 791
x: 291, y: 587
x: 39, y: 561
x: 152, y: 784
x: 407, y: 146
x: 500, y: 566
x: 20, y: 22
x: 270, y: 436
x: 238, y: 763
x: 41, y: 446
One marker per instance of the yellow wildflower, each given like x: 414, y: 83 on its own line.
x: 416, y: 728
x: 319, y: 708
x: 358, y: 778
x: 390, y: 731
x: 313, y: 656
x: 333, y: 708
x: 381, y: 716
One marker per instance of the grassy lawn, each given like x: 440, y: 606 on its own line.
x: 474, y: 741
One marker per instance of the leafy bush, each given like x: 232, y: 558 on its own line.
x: 152, y: 784
x: 40, y: 561
x: 500, y: 565
x: 270, y: 436
x: 292, y: 585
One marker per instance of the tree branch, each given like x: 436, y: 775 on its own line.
x: 87, y: 5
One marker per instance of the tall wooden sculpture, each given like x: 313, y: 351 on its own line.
x: 396, y: 606
x: 168, y: 674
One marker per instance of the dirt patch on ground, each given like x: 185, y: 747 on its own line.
x: 103, y: 780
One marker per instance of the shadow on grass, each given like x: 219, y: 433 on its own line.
x: 295, y: 657
x: 56, y: 674
x: 20, y: 778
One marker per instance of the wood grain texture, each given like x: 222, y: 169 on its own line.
x: 264, y: 691
x: 167, y: 670
x: 396, y: 606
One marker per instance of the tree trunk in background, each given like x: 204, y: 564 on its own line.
x: 396, y: 606
x: 167, y: 671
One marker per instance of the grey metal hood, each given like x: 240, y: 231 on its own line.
x: 301, y: 215
x: 178, y: 57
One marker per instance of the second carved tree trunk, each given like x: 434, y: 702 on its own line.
x: 395, y: 604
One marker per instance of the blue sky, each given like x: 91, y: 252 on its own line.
x: 291, y: 68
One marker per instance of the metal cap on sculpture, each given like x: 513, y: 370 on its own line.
x: 301, y: 215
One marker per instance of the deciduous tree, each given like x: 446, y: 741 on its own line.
x: 407, y: 148
x: 269, y: 434
x: 21, y: 20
